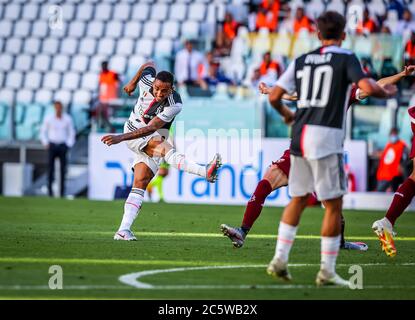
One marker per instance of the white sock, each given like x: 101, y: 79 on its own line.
x: 132, y: 207
x: 286, y: 236
x: 178, y: 161
x: 329, y: 250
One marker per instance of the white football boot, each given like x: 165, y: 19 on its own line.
x: 325, y: 278
x: 126, y: 235
x: 279, y: 269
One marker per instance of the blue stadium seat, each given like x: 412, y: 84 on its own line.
x: 4, y: 121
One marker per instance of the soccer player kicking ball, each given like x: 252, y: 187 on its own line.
x: 277, y: 174
x: 146, y: 133
x: 322, y: 79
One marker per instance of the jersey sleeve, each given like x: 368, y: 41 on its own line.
x: 287, y: 80
x: 170, y: 112
x: 354, y: 69
x: 147, y: 77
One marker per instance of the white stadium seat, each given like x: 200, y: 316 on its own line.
x: 13, y: 45
x: 113, y: 29
x: 336, y: 5
x: 64, y: 96
x: 122, y: 12
x: 190, y: 29
x: 140, y: 12
x: 14, y: 80
x: 68, y: 11
x: 30, y: 11
x: 32, y: 45
x: 69, y: 46
x: 76, y: 29
x: 159, y: 11
x: 33, y: 80
x: 84, y: 12
x: 12, y: 11
x: 118, y: 64
x: 125, y: 46
x: 2, y: 76
x: 70, y: 80
x: 87, y: 46
x: 106, y: 46
x: 103, y: 12
x: 151, y: 29
x: 89, y: 81
x: 95, y: 63
x: 6, y: 62
x: 81, y: 97
x: 164, y: 48
x: 43, y: 96
x: 60, y: 63
x: 197, y: 11
x: 7, y: 95
x: 178, y: 11
x: 5, y: 28
x: 132, y: 29
x: 314, y: 8
x: 22, y: 28
x: 41, y: 62
x: 144, y: 47
x: 79, y: 63
x: 52, y: 80
x: 95, y: 29
x: 170, y: 30
x: 24, y: 96
x: 134, y: 62
x: 50, y: 45
x: 40, y: 29
x: 23, y: 62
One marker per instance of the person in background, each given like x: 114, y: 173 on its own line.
x: 301, y: 21
x: 266, y: 19
x: 390, y: 171
x: 367, y: 25
x: 108, y: 92
x: 406, y: 23
x: 230, y: 27
x: 409, y: 55
x: 215, y: 76
x: 57, y: 135
x: 187, y: 65
x: 268, y: 65
x: 287, y: 24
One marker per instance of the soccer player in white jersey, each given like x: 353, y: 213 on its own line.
x: 146, y: 133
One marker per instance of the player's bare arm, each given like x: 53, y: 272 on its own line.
x: 155, y: 124
x: 275, y: 97
x: 371, y: 88
x: 407, y: 71
x: 132, y: 85
x: 264, y: 89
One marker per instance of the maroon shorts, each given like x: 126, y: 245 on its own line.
x: 284, y: 162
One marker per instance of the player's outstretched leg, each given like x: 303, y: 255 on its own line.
x: 273, y: 179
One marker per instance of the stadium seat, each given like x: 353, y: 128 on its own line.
x: 95, y: 29
x: 76, y: 29
x: 302, y: 43
x: 5, y: 28
x: 69, y: 46
x: 33, y: 80
x: 13, y: 45
x: 314, y: 8
x: 178, y: 11
x: 50, y: 45
x: 261, y: 44
x: 12, y: 11
x: 159, y: 12
x: 163, y: 48
x: 87, y: 46
x: 22, y: 29
x: 70, y: 80
x: 7, y: 96
x: 132, y: 29
x: 14, y: 80
x: 19, y: 113
x: 151, y: 29
x: 140, y: 12
x: 114, y: 29
x: 29, y: 129
x: 122, y: 12
x: 2, y: 76
x: 23, y: 62
x: 6, y: 62
x: 106, y: 46
x: 40, y: 29
x: 24, y: 96
x: 64, y: 96
x: 41, y: 62
x: 89, y: 81
x: 118, y: 64
x: 79, y: 63
x: 134, y: 62
x: 60, y: 63
x: 144, y: 47
x: 282, y: 44
x: 95, y: 62
x: 190, y: 29
x: 82, y: 97
x: 68, y: 11
x: 5, y: 132
x: 125, y: 47
x: 84, y: 11
x: 30, y: 11
x: 43, y: 96
x: 103, y: 12
x: 170, y: 30
x: 79, y: 113
x: 240, y: 45
x: 52, y: 80
x: 197, y: 11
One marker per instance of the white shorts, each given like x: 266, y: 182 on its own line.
x: 137, y: 146
x: 326, y: 177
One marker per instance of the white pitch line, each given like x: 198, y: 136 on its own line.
x: 131, y: 279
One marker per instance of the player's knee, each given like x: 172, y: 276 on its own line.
x: 276, y: 177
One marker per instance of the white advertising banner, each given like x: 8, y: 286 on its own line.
x: 244, y: 163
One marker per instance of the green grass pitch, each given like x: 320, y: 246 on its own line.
x: 36, y: 233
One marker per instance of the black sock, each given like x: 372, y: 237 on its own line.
x: 342, y: 241
x: 245, y: 230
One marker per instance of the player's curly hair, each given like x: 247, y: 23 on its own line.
x: 331, y: 25
x: 165, y: 76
